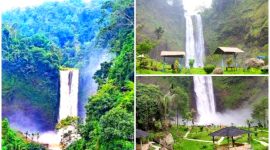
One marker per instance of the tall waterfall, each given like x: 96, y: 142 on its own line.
x: 205, y: 100
x: 200, y: 50
x: 203, y: 86
x: 190, y: 42
x: 69, y: 82
x: 194, y: 40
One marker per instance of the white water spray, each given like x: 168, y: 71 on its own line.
x: 194, y: 40
x: 69, y: 82
x: 190, y: 42
x: 205, y: 100
x: 203, y: 85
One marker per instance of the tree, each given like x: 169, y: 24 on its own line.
x: 180, y: 102
x: 260, y: 111
x: 159, y: 32
x: 148, y: 106
x: 145, y: 47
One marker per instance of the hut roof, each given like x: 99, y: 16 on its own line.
x: 172, y: 54
x: 228, y: 50
x: 229, y: 132
x: 141, y: 133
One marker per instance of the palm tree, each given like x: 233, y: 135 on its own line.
x: 159, y: 32
x: 165, y: 102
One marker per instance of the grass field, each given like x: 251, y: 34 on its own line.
x: 198, y: 134
x: 199, y: 71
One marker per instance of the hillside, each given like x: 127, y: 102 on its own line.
x: 237, y: 23
x: 230, y: 92
x: 152, y: 14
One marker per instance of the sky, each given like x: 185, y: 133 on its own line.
x: 6, y: 5
x: 193, y: 5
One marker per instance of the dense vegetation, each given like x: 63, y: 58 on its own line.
x: 242, y: 24
x: 39, y: 41
x: 14, y: 140
x: 109, y: 118
x: 161, y: 100
x: 162, y: 24
x: 231, y: 23
x: 36, y: 43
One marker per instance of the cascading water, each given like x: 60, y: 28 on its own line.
x: 203, y: 85
x: 205, y: 100
x: 194, y: 40
x: 190, y: 43
x: 200, y: 50
x: 69, y: 82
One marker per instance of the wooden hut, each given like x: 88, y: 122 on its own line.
x: 175, y: 54
x: 228, y: 51
x: 230, y: 132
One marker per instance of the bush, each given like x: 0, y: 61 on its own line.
x: 176, y: 66
x: 264, y: 70
x: 229, y: 62
x: 191, y: 63
x: 209, y: 68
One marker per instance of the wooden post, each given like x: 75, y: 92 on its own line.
x: 141, y: 143
x: 163, y: 64
x: 213, y: 138
x: 234, y: 55
x: 222, y: 63
x: 232, y: 142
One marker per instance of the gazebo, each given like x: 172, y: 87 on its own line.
x: 141, y: 134
x: 228, y: 51
x: 230, y: 132
x: 174, y: 54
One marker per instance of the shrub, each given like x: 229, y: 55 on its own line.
x: 176, y: 66
x: 191, y: 63
x: 209, y: 68
x: 264, y: 70
x: 229, y: 62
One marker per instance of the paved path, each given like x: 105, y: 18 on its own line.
x: 186, y: 134
x: 198, y: 140
x: 262, y: 142
x: 220, y: 140
x: 154, y: 146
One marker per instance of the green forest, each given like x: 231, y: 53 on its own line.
x: 37, y: 42
x: 162, y: 27
x: 166, y: 109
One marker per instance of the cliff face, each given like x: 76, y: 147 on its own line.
x: 152, y: 14
x: 234, y: 92
x: 238, y: 23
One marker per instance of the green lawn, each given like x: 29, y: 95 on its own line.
x: 196, y: 133
x: 199, y: 71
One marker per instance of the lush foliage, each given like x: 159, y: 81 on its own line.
x: 109, y: 119
x: 67, y: 122
x: 209, y: 68
x: 242, y: 24
x: 36, y: 43
x: 14, y: 140
x: 260, y: 111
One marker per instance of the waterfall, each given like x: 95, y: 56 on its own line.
x: 205, y: 100
x: 69, y: 82
x: 194, y: 40
x: 200, y: 50
x: 190, y: 42
x: 203, y: 86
